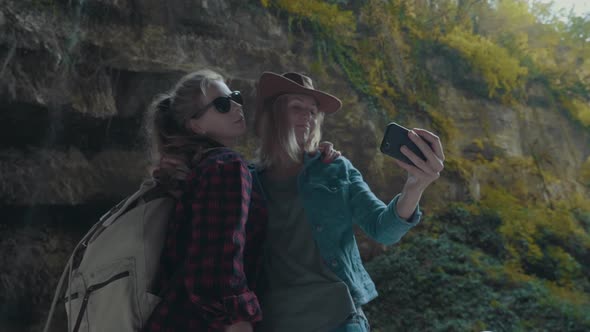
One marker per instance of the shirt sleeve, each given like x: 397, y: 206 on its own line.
x: 379, y: 220
x: 214, y: 268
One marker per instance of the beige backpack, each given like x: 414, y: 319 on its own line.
x: 111, y: 272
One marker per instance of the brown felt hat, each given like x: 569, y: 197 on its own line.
x: 272, y: 85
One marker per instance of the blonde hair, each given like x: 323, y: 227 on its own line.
x: 165, y: 123
x: 277, y: 137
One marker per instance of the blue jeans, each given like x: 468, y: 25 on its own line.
x: 357, y: 322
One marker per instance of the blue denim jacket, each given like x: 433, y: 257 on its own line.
x: 335, y: 197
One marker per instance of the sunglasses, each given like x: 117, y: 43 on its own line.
x: 223, y: 104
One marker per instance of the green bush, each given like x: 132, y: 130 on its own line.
x: 438, y: 284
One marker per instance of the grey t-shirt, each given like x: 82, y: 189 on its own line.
x: 301, y: 293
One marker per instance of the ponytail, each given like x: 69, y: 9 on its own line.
x: 166, y: 124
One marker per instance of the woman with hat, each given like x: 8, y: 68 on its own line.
x: 315, y: 280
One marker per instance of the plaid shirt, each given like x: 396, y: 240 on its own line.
x: 213, y: 251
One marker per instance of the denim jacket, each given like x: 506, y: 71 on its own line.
x: 335, y: 197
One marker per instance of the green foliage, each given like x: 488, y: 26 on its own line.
x: 541, y: 241
x: 585, y: 172
x: 441, y: 284
x: 500, y: 71
x: 549, y: 242
x: 328, y: 16
x: 444, y: 127
x: 333, y: 29
x: 460, y: 224
x: 578, y: 108
x: 456, y: 274
x: 501, y: 45
x: 552, y: 47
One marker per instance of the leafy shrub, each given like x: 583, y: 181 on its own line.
x: 437, y: 284
x: 501, y: 71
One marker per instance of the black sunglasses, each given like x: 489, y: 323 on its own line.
x: 223, y: 104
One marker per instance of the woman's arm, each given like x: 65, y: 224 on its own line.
x: 380, y: 221
x: 388, y: 223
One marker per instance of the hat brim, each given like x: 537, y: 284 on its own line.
x: 273, y: 85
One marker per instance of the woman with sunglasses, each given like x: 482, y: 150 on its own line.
x: 213, y: 248
x: 207, y: 272
x: 314, y: 277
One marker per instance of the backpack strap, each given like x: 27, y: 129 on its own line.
x: 114, y: 213
x: 148, y: 191
x: 67, y: 272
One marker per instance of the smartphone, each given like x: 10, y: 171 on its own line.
x: 394, y: 138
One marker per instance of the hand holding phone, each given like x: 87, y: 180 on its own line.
x: 394, y: 138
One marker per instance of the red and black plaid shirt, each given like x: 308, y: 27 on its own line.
x: 213, y: 251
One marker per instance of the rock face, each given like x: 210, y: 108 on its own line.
x: 77, y: 76
x: 546, y: 136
